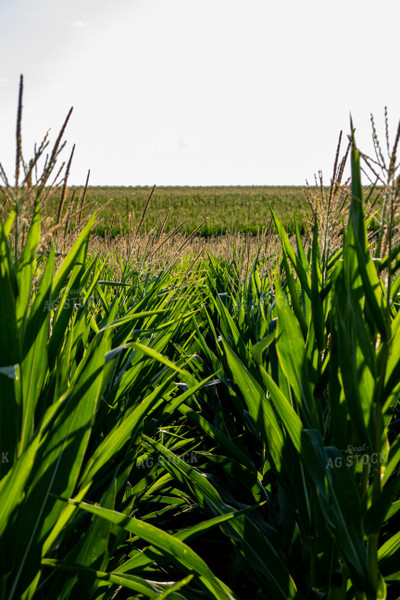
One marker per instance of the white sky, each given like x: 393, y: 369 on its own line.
x: 190, y: 92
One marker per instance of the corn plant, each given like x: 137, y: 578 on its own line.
x: 83, y: 368
x: 319, y: 394
x: 206, y: 431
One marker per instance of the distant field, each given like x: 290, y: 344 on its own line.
x: 227, y: 209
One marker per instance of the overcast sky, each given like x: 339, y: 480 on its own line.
x: 190, y: 92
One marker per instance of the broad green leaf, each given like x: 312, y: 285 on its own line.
x: 339, y: 500
x: 258, y: 349
x: 130, y: 582
x: 10, y: 354
x: 284, y: 409
x: 58, y: 463
x: 377, y: 512
x: 258, y: 406
x: 13, y: 485
x: 169, y: 593
x: 371, y: 283
x: 316, y: 285
x: 35, y: 364
x: 74, y: 254
x: 389, y: 555
x: 217, y: 435
x: 290, y: 347
x: 26, y: 266
x: 119, y: 435
x: 259, y: 552
x: 168, y: 544
x: 297, y: 262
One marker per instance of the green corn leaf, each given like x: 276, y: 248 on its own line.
x: 297, y: 261
x: 64, y: 309
x: 339, y: 500
x: 260, y: 553
x: 392, y: 461
x: 64, y: 517
x: 35, y: 363
x: 140, y: 560
x: 91, y: 552
x: 9, y: 222
x: 10, y: 355
x: 259, y: 408
x: 58, y: 464
x: 151, y: 353
x: 316, y: 286
x: 169, y: 593
x: 13, y: 485
x: 290, y: 347
x: 217, y: 435
x: 229, y: 328
x: 377, y: 512
x: 258, y: 349
x: 168, y: 544
x: 74, y: 254
x: 392, y: 374
x: 389, y: 556
x: 119, y: 435
x: 130, y: 582
x: 371, y: 283
x: 26, y: 266
x: 353, y: 372
x: 284, y: 409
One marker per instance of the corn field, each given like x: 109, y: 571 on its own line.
x: 196, y: 433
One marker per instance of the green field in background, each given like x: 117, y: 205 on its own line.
x: 227, y: 209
